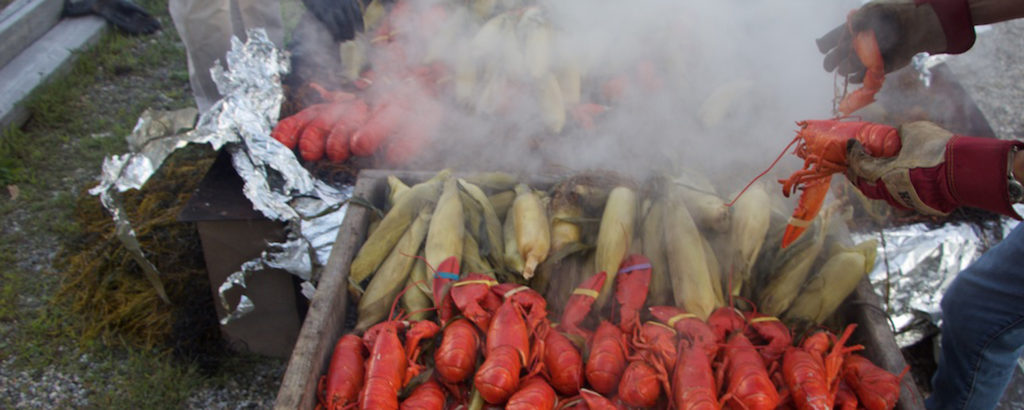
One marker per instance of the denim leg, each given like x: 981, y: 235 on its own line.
x: 982, y: 329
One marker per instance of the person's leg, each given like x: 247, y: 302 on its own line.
x: 265, y: 14
x: 205, y: 28
x: 982, y: 329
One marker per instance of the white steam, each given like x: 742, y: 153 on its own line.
x: 713, y: 86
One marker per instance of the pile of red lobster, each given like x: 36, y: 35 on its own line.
x: 742, y: 360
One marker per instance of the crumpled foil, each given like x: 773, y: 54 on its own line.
x: 274, y: 181
x: 915, y: 266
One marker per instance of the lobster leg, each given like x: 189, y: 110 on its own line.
x: 810, y: 203
x: 866, y: 46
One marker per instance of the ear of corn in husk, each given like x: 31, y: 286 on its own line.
x: 747, y: 230
x: 393, y: 226
x: 471, y: 259
x: 564, y: 209
x: 447, y: 227
x: 536, y: 32
x: 552, y: 105
x: 714, y: 272
x: 513, y: 260
x: 659, y: 292
x: 502, y: 202
x: 569, y: 79
x: 836, y: 279
x: 372, y: 14
x: 465, y: 76
x: 395, y: 190
x: 494, y: 181
x: 416, y: 298
x: 353, y: 58
x: 708, y: 210
x: 614, y: 237
x: 392, y: 275
x: 532, y: 233
x: 794, y: 264
x: 687, y: 264
x: 494, y: 246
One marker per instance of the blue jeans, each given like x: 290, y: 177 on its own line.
x: 982, y: 329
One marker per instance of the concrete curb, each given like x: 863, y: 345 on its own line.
x: 51, y: 54
x: 23, y: 22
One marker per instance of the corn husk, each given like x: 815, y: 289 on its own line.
x: 353, y: 57
x: 494, y: 181
x: 552, y: 105
x: 395, y: 189
x: 447, y: 227
x: 513, y: 260
x: 569, y: 80
x: 379, y: 244
x: 687, y: 264
x: 471, y: 259
x: 537, y: 35
x: 417, y: 300
x: 564, y: 210
x: 392, y: 275
x: 465, y: 76
x: 614, y: 237
x: 492, y: 241
x: 707, y: 209
x: 747, y: 230
x: 659, y: 292
x: 372, y: 15
x: 837, y: 278
x: 483, y: 9
x: 714, y: 272
x: 794, y: 264
x: 501, y: 202
x: 532, y: 232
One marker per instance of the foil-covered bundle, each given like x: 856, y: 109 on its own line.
x: 274, y: 181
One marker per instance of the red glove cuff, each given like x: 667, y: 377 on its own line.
x: 957, y: 24
x: 976, y: 173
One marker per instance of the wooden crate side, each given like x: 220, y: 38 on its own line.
x: 325, y: 319
x: 874, y: 332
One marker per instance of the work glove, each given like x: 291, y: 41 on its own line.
x: 902, y: 28
x: 342, y: 18
x: 123, y: 14
x: 936, y: 171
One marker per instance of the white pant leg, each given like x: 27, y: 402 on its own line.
x: 205, y: 28
x: 264, y: 14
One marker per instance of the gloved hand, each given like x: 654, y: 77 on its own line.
x: 123, y: 14
x: 342, y: 18
x: 935, y: 171
x: 902, y: 29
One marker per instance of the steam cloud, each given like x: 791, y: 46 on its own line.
x: 711, y: 86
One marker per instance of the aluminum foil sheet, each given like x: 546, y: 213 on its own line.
x: 274, y: 181
x: 915, y: 266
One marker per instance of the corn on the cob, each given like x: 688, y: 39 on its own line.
x: 379, y: 244
x: 837, y: 278
x: 687, y: 264
x: 501, y: 202
x: 569, y: 79
x: 533, y: 235
x: 614, y: 237
x: 659, y: 292
x: 564, y: 209
x: 392, y: 275
x: 795, y: 264
x: 447, y: 227
x: 513, y: 259
x: 353, y: 58
x: 416, y: 299
x: 552, y: 105
x: 471, y: 259
x: 492, y: 242
x: 714, y: 272
x: 708, y: 210
x: 747, y: 230
x: 395, y: 190
x: 536, y: 33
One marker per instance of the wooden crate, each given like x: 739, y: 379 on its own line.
x: 325, y: 320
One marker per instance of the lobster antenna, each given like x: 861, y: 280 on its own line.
x: 398, y: 297
x: 763, y: 173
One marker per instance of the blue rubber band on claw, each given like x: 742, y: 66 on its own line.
x: 446, y: 275
x: 635, y: 267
